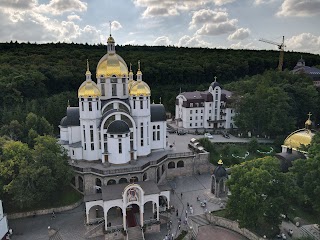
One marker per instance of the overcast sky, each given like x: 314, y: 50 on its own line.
x: 192, y: 23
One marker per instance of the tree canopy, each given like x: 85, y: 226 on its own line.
x: 260, y: 192
x: 31, y: 175
x: 274, y: 103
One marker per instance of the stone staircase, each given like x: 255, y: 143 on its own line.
x: 95, y: 231
x: 135, y: 233
x: 311, y: 232
x: 197, y: 221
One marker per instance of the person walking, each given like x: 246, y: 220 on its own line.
x: 53, y: 216
x: 181, y: 195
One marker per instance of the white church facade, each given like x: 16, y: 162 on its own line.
x: 115, y: 121
x: 209, y: 109
x: 116, y: 140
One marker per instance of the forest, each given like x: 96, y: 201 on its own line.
x: 42, y: 78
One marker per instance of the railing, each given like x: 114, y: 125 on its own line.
x: 133, y: 169
x: 150, y: 222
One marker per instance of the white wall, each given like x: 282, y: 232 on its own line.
x: 3, y: 222
x: 159, y: 144
x: 113, y: 148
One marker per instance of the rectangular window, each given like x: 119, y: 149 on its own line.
x: 201, y: 111
x: 158, y: 135
x: 91, y: 135
x: 191, y: 104
x: 141, y: 142
x: 97, y: 104
x: 134, y: 104
x: 215, y: 112
x: 90, y: 106
x: 216, y: 96
x: 141, y: 132
x: 209, y: 111
x: 201, y: 117
x: 92, y: 146
x: 141, y: 104
x: 190, y: 111
x: 190, y: 124
x: 85, y: 146
x: 196, y: 117
x: 124, y: 89
x: 114, y: 90
x: 103, y: 91
x: 201, y: 124
x: 190, y: 118
x: 216, y: 104
x: 154, y: 135
x: 120, y: 146
x: 82, y: 106
x: 196, y: 124
x: 196, y: 111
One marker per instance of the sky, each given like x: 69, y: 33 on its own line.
x: 237, y: 24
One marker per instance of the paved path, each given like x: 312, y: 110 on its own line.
x: 218, y: 233
x: 70, y: 225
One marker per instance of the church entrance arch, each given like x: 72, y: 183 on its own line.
x: 133, y: 215
x: 114, y: 217
x: 150, y: 211
x: 96, y: 214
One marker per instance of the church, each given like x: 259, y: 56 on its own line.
x: 117, y: 144
x: 115, y: 121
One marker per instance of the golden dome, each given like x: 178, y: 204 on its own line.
x: 308, y: 122
x: 112, y: 64
x: 298, y: 138
x: 130, y: 83
x: 139, y: 88
x: 89, y: 89
x: 110, y: 39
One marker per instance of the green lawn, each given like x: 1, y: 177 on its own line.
x: 234, y: 153
x: 66, y: 197
x: 310, y: 217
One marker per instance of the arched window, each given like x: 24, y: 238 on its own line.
x: 98, y: 185
x: 134, y: 179
x: 80, y: 181
x: 123, y: 180
x: 180, y: 164
x: 111, y: 182
x: 171, y: 165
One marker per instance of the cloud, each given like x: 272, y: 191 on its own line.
x: 74, y: 17
x: 115, y: 25
x: 162, y: 41
x: 212, y: 22
x: 258, y: 2
x: 154, y: 8
x: 30, y: 25
x: 240, y: 34
x: 208, y: 16
x: 58, y: 7
x: 222, y: 2
x: 187, y: 41
x: 304, y: 42
x: 18, y: 4
x: 300, y: 8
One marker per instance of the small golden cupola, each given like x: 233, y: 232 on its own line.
x: 300, y: 137
x: 131, y: 81
x: 139, y: 87
x: 88, y: 88
x: 308, y: 123
x: 111, y: 64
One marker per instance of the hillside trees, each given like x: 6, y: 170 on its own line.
x: 272, y: 103
x: 29, y: 176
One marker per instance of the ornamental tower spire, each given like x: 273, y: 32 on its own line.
x: 111, y: 43
x: 88, y: 73
x: 130, y: 73
x: 139, y: 73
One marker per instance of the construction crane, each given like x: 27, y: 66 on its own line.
x: 281, y: 48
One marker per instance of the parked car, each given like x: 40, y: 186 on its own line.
x: 171, y: 131
x: 208, y: 135
x: 226, y: 135
x: 181, y: 132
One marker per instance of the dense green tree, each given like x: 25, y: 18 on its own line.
x: 260, y: 193
x: 31, y: 175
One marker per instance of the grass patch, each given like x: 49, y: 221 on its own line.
x: 220, y: 213
x: 228, y: 152
x: 182, y: 235
x: 66, y: 197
